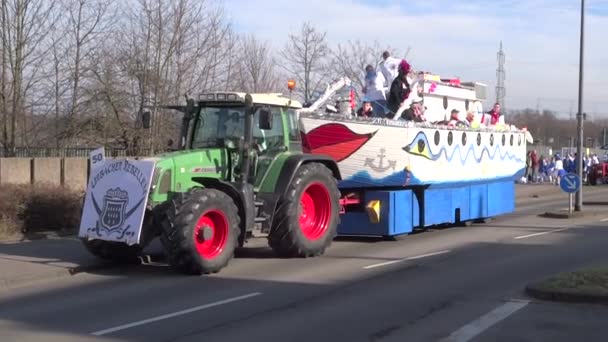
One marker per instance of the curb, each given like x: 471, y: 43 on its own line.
x: 595, y: 203
x: 563, y: 215
x: 564, y: 295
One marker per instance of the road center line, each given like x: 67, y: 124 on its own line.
x: 481, y: 324
x: 405, y: 259
x: 174, y: 314
x: 543, y: 233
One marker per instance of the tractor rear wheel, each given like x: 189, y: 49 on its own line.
x: 201, y: 230
x: 307, y: 217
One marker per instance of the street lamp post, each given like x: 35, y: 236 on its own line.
x: 579, y: 115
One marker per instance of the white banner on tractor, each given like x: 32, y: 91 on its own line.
x: 116, y: 199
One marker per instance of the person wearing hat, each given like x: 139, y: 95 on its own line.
x: 414, y: 113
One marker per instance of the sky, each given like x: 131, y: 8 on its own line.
x: 461, y: 38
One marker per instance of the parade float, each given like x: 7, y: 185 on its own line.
x: 441, y: 172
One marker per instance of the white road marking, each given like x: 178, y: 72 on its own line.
x: 604, y: 220
x: 406, y: 259
x: 481, y: 324
x: 539, y: 234
x: 174, y: 314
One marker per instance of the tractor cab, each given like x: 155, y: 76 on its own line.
x: 214, y: 140
x: 220, y: 121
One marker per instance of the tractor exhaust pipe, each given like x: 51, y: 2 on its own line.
x: 249, y: 111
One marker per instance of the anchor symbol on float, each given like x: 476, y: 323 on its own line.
x: 369, y: 162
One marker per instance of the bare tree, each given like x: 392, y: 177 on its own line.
x: 256, y: 66
x: 306, y: 55
x: 162, y: 50
x: 351, y: 58
x: 25, y: 24
x: 87, y: 21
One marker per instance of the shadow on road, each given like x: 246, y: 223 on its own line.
x: 134, y: 293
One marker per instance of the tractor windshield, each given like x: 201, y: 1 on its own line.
x: 215, y: 125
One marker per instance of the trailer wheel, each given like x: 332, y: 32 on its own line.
x: 201, y: 230
x: 307, y: 217
x: 466, y: 223
x: 485, y: 220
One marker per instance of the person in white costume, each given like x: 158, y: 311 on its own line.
x: 389, y: 68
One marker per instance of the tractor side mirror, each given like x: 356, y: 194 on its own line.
x: 265, y: 120
x: 146, y: 120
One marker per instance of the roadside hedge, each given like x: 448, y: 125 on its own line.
x: 26, y: 209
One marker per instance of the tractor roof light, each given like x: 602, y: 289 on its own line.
x: 206, y: 97
x: 291, y: 84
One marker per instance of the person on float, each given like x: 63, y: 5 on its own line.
x: 495, y: 119
x: 399, y: 96
x: 375, y: 91
x: 366, y: 110
x: 472, y: 120
x: 389, y: 68
x: 413, y: 113
x: 455, y: 120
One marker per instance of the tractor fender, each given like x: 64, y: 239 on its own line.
x: 293, y: 163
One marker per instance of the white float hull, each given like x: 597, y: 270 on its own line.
x: 383, y: 153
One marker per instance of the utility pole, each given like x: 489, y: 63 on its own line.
x: 579, y: 116
x: 500, y: 79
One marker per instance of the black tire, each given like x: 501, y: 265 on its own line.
x: 182, y: 237
x: 394, y: 238
x: 119, y: 252
x: 287, y: 237
x: 486, y: 220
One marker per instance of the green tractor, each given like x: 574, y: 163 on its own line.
x: 238, y: 172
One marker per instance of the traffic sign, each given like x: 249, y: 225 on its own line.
x: 570, y: 183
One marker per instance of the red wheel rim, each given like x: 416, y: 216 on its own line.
x: 315, y: 206
x: 211, y: 234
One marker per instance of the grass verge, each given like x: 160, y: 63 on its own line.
x: 589, y: 285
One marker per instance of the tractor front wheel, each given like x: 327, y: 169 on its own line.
x: 117, y: 252
x: 201, y: 230
x: 307, y: 217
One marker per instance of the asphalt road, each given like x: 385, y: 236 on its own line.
x: 457, y: 282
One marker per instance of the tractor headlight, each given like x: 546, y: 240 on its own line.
x: 155, y: 176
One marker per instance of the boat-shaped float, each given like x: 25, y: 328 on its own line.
x: 380, y: 152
